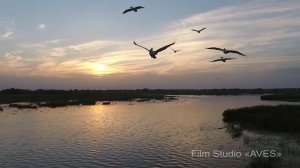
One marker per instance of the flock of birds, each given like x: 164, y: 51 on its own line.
x: 153, y: 52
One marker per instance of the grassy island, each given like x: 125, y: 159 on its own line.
x: 289, y: 97
x: 59, y: 98
x: 281, y: 118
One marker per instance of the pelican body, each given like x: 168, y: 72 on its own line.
x: 222, y: 59
x: 175, y: 51
x: 225, y: 51
x: 198, y: 31
x: 135, y: 9
x: 153, y: 52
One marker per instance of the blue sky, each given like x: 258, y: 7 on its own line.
x: 66, y: 44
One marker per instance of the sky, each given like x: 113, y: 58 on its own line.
x: 88, y: 44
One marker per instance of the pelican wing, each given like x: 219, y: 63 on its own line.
x: 139, y: 7
x: 215, y: 48
x: 229, y: 58
x: 216, y: 60
x: 127, y: 10
x: 203, y: 29
x: 140, y: 46
x: 165, y: 47
x: 236, y: 52
x: 195, y: 30
x: 175, y: 50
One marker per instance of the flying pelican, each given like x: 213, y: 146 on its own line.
x: 135, y: 9
x: 175, y: 51
x: 226, y: 51
x: 223, y: 59
x: 152, y: 52
x: 198, y: 31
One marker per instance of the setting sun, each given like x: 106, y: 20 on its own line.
x: 100, y: 67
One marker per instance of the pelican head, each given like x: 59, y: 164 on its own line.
x: 225, y: 51
x: 152, y: 53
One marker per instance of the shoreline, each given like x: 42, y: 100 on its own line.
x: 60, y: 98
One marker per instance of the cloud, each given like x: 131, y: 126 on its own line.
x: 57, y: 52
x: 9, y: 27
x: 8, y: 34
x: 93, y: 45
x: 268, y: 32
x: 13, y: 63
x: 55, y: 41
x: 41, y: 26
x: 12, y: 56
x: 77, y: 49
x: 263, y: 30
x: 44, y: 45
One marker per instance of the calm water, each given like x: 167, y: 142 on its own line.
x: 141, y: 134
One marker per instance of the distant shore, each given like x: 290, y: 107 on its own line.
x: 289, y: 97
x: 58, y: 98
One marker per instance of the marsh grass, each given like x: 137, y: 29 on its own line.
x: 289, y: 97
x: 281, y: 118
x: 20, y: 95
x: 62, y: 103
x: 234, y: 130
x: 264, y: 163
x: 283, y: 144
x: 24, y: 106
x: 81, y: 96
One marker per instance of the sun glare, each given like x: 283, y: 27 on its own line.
x: 100, y: 67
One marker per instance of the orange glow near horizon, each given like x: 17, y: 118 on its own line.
x: 101, y: 69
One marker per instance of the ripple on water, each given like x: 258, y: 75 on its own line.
x: 142, y: 135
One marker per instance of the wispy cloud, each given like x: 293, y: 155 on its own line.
x: 12, y: 63
x: 77, y: 49
x: 55, y: 41
x: 57, y: 52
x: 41, y: 26
x: 263, y: 30
x: 7, y: 28
x: 93, y: 45
x: 266, y: 31
x: 8, y: 34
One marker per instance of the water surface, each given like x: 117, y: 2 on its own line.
x: 124, y: 134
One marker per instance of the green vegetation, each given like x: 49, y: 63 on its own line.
x: 62, y: 103
x: 264, y: 163
x: 79, y: 96
x: 21, y: 95
x: 57, y: 98
x: 24, y: 106
x: 289, y: 97
x: 276, y: 118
